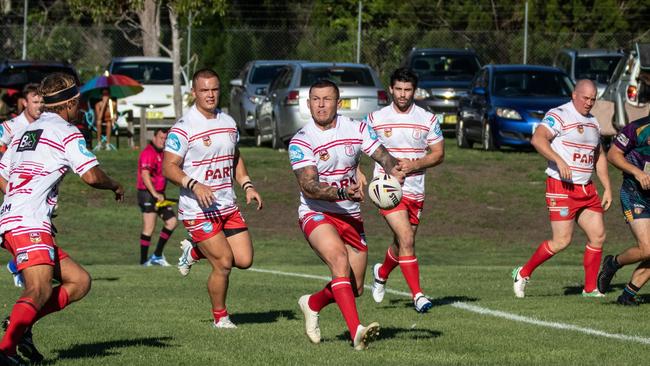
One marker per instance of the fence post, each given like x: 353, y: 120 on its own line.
x: 143, y: 127
x: 526, y: 32
x: 25, y: 31
x: 359, y: 34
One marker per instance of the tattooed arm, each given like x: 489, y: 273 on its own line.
x: 390, y: 164
x: 313, y: 189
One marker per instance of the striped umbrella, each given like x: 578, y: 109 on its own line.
x: 119, y: 86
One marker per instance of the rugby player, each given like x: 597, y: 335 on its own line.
x: 30, y: 173
x: 33, y: 105
x: 324, y: 156
x: 569, y: 138
x: 151, y: 190
x: 201, y: 156
x: 413, y: 135
x: 630, y: 153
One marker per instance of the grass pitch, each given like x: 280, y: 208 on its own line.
x: 484, y: 214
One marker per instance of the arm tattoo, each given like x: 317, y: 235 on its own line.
x: 386, y: 160
x: 312, y: 188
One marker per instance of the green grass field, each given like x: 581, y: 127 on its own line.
x: 484, y: 214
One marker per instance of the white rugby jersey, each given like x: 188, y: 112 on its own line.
x: 9, y: 128
x: 335, y: 153
x: 33, y: 166
x: 207, y: 147
x: 576, y: 140
x: 406, y: 135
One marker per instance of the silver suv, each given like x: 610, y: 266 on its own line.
x: 596, y: 65
x: 284, y: 109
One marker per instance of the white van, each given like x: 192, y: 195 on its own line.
x: 155, y: 75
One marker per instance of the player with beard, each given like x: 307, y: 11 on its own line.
x: 413, y: 135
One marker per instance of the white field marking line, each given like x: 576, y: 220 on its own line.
x: 485, y: 311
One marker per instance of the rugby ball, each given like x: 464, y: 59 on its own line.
x: 385, y: 192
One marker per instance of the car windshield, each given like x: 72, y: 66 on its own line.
x: 18, y: 76
x: 265, y: 74
x: 445, y: 67
x: 527, y: 83
x: 151, y: 73
x: 342, y: 76
x: 599, y: 68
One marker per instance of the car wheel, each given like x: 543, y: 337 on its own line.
x: 461, y: 137
x: 276, y: 140
x: 488, y: 139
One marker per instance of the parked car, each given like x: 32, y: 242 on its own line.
x: 629, y: 87
x: 444, y: 76
x: 155, y: 75
x: 284, y: 109
x: 595, y: 65
x: 507, y: 102
x: 248, y: 90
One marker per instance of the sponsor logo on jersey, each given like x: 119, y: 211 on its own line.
x: 622, y: 139
x: 388, y: 132
x: 581, y: 129
x: 417, y: 134
x: 234, y: 137
x: 51, y: 253
x: 22, y: 257
x: 5, y: 208
x: 638, y: 210
x: 295, y: 154
x: 206, y: 227
x: 207, y: 141
x: 29, y: 140
x: 372, y: 133
x: 173, y: 143
x: 437, y: 129
x: 549, y: 120
x: 318, y: 217
x: 35, y: 237
x: 349, y: 150
x: 324, y: 155
x: 552, y: 202
x: 564, y: 212
x: 2, y: 130
x: 190, y: 222
x: 83, y: 149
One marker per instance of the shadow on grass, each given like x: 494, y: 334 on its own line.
x: 107, y: 279
x: 108, y: 348
x: 447, y: 300
x: 261, y: 318
x: 393, y: 332
x: 577, y: 290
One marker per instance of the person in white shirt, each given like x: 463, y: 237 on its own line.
x: 569, y: 138
x: 30, y: 173
x: 413, y: 135
x: 33, y: 105
x: 201, y: 156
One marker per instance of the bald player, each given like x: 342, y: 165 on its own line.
x: 569, y: 138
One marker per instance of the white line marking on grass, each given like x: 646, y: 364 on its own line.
x: 486, y: 311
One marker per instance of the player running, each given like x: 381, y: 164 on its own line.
x: 151, y: 192
x: 201, y: 156
x: 324, y: 156
x: 630, y: 153
x: 570, y: 141
x: 33, y: 104
x: 407, y: 131
x: 31, y: 172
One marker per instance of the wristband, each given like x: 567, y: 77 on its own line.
x: 247, y: 185
x: 186, y: 179
x: 343, y: 194
x: 246, y: 179
x: 246, y: 182
x: 192, y: 183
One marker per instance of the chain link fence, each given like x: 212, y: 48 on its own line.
x: 91, y: 48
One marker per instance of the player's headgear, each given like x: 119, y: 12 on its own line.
x: 405, y: 75
x: 325, y: 83
x: 57, y: 89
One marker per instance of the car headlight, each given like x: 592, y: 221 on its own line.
x: 255, y: 99
x: 508, y: 113
x: 421, y: 94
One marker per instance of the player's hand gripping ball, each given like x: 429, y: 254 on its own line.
x: 385, y: 192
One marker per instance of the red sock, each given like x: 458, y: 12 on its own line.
x: 541, y: 255
x: 591, y: 262
x: 322, y: 298
x: 342, y: 290
x: 57, y: 301
x: 23, y: 315
x: 196, y: 254
x: 218, y: 314
x: 411, y: 271
x: 390, y: 262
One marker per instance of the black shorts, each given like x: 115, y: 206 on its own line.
x: 147, y: 204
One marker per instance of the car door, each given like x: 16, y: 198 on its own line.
x: 267, y: 106
x: 282, y: 110
x: 236, y: 95
x: 477, y: 105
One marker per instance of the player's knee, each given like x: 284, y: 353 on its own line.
x: 38, y: 292
x: 340, y: 265
x: 599, y: 240
x: 406, y: 242
x: 244, y: 263
x: 171, y: 223
x: 224, y: 264
x: 645, y: 251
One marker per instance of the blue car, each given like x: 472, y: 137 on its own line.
x: 507, y: 102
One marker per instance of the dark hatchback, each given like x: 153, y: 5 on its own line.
x: 444, y: 77
x: 507, y: 102
x: 16, y: 74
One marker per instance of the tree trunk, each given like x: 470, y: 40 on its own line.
x: 149, y: 17
x: 176, y: 58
